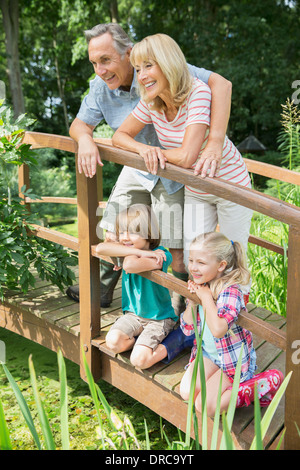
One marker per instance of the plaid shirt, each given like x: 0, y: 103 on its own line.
x: 229, y: 303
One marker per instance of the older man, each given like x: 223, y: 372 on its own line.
x: 112, y: 96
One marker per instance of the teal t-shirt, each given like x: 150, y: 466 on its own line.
x: 146, y: 298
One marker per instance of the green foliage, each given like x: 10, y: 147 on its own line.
x: 289, y: 137
x: 55, y: 178
x: 217, y: 35
x: 269, y: 269
x: 18, y: 250
x: 110, y: 170
x: 121, y: 434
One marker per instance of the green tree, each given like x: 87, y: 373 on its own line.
x: 256, y: 45
x: 10, y: 14
x: 19, y: 251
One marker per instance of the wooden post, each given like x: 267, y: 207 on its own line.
x: 89, y: 281
x: 24, y: 180
x: 292, y: 394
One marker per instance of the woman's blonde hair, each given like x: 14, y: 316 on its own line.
x: 165, y: 52
x: 223, y: 249
x: 141, y: 220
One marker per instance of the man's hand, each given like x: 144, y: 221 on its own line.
x: 210, y: 160
x: 88, y: 156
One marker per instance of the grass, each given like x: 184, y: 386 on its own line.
x: 69, y: 229
x: 115, y: 432
x: 268, y: 269
x: 83, y: 422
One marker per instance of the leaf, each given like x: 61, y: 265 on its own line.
x: 63, y: 402
x: 257, y: 422
x: 147, y: 436
x: 214, y: 438
x: 228, y: 441
x: 17, y: 257
x: 23, y: 407
x: 49, y: 441
x: 233, y: 399
x: 94, y: 394
x: 5, y: 442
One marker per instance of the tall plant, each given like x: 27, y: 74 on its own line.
x: 289, y: 137
x: 269, y: 270
x: 20, y: 252
x: 121, y: 434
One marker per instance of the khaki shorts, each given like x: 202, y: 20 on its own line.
x: 150, y: 332
x: 168, y: 208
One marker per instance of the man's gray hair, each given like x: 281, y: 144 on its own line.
x: 122, y: 42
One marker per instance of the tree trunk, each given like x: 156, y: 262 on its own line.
x: 61, y: 86
x: 114, y: 13
x: 10, y: 14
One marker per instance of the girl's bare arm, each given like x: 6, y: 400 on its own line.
x: 135, y: 260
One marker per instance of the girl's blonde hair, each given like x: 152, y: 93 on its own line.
x: 141, y: 220
x: 164, y: 51
x: 236, y: 271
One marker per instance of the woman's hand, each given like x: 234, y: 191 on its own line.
x: 210, y: 159
x: 152, y: 157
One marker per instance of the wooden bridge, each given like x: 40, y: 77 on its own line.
x: 48, y: 317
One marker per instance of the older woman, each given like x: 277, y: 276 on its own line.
x: 178, y: 106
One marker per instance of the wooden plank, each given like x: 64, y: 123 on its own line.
x: 267, y: 331
x: 266, y: 244
x: 55, y: 236
x: 70, y: 323
x: 250, y: 198
x: 68, y: 309
x: 170, y: 377
x: 39, y: 140
x: 54, y: 200
x: 166, y: 404
x: 54, y: 316
x: 24, y: 180
x: 89, y: 285
x: 272, y: 171
x: 292, y: 396
x: 29, y: 326
x: 42, y: 140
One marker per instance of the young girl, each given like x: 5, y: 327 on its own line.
x: 148, y: 312
x: 218, y: 268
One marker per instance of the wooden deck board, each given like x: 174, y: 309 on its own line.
x: 50, y: 305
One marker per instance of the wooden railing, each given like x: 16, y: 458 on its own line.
x: 87, y: 203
